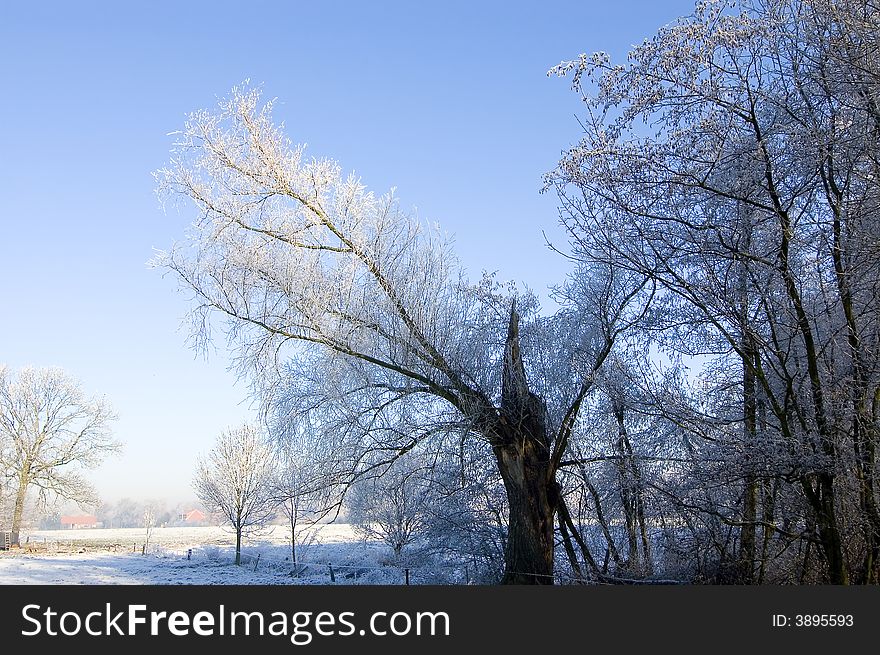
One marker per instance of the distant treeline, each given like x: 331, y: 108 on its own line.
x: 128, y: 513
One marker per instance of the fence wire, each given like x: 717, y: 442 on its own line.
x: 324, y: 570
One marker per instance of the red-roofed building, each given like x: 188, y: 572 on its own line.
x: 193, y: 516
x: 81, y: 521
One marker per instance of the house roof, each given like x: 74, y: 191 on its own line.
x: 79, y: 519
x: 195, y: 515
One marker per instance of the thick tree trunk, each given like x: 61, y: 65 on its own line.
x: 21, y: 494
x: 238, y: 546
x: 532, y: 496
x: 522, y: 450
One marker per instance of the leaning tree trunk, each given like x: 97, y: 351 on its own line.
x: 522, y: 450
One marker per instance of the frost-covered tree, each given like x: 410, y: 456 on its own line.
x: 300, y: 494
x: 733, y: 161
x: 49, y: 432
x: 467, y: 524
x: 149, y: 523
x: 394, y: 508
x: 235, y: 481
x: 357, y: 313
x: 7, y: 474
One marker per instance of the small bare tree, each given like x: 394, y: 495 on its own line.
x: 50, y: 431
x: 149, y: 524
x: 300, y: 497
x: 235, y: 482
x: 393, y: 508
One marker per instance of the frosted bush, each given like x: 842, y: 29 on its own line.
x: 211, y: 552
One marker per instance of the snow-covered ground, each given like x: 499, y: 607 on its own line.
x: 180, y: 538
x: 192, y: 556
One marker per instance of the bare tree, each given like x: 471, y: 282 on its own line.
x: 300, y: 494
x: 7, y: 474
x: 235, y: 482
x: 51, y: 431
x: 352, y: 309
x: 467, y: 521
x: 394, y: 508
x: 751, y: 202
x: 149, y: 522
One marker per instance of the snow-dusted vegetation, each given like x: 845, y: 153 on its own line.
x: 699, y: 404
x: 332, y: 554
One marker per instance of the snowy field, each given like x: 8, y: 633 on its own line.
x: 205, y: 556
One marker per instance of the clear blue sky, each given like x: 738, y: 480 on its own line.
x: 447, y: 101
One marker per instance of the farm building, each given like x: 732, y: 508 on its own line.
x: 193, y: 517
x: 80, y: 521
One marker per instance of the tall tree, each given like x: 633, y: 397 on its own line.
x: 235, y: 482
x: 371, y: 309
x: 51, y: 431
x: 733, y: 161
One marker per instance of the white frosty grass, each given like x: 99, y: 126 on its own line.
x: 113, y: 556
x: 181, y: 537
